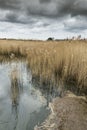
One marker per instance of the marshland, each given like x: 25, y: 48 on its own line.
x: 35, y: 73
x: 57, y: 63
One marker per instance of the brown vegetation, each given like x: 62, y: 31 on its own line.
x: 52, y: 62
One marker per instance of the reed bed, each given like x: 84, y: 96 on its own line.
x: 61, y: 64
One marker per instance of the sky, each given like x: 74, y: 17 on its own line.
x: 40, y: 19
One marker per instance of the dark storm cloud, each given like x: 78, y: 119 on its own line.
x: 12, y: 17
x: 44, y: 13
x: 57, y: 8
x: 9, y: 4
x: 49, y: 8
x: 45, y: 1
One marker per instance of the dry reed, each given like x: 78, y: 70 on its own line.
x: 53, y: 62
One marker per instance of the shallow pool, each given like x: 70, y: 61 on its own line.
x: 22, y: 105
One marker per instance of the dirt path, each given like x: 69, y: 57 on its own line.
x: 68, y: 113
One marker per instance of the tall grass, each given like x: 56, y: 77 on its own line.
x: 59, y: 64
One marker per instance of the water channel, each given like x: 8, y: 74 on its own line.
x: 22, y: 105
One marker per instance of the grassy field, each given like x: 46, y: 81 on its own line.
x: 57, y: 63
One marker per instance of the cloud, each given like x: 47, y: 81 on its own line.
x: 75, y: 24
x: 9, y: 4
x: 57, y: 8
x: 45, y: 15
x: 48, y: 8
x: 12, y: 17
x: 45, y: 1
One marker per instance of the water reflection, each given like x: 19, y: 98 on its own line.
x: 22, y: 106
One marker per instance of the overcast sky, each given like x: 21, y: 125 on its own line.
x: 40, y: 19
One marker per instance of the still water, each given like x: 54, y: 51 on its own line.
x: 22, y: 105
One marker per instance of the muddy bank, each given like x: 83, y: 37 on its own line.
x: 68, y: 113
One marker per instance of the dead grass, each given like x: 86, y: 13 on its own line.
x: 63, y: 62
